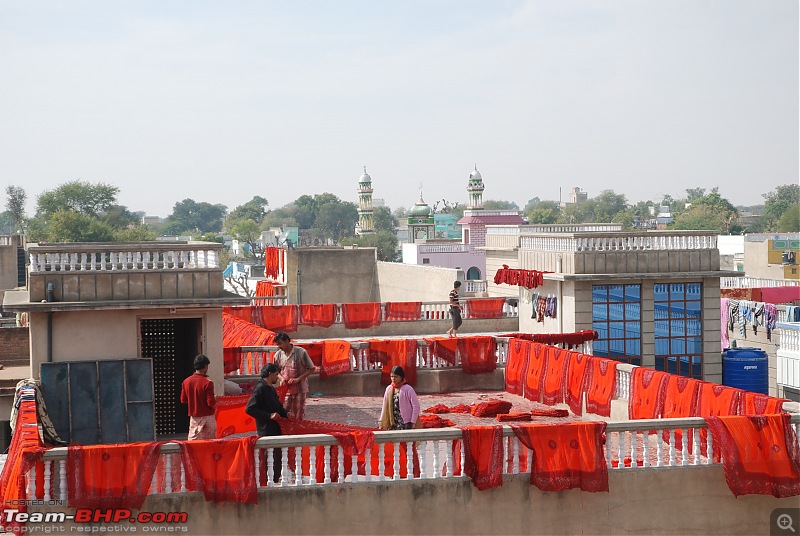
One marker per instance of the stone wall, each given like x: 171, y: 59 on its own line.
x: 14, y: 344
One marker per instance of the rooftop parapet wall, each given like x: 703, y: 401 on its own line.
x: 89, y: 272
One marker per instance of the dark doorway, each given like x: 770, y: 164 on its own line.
x: 172, y: 344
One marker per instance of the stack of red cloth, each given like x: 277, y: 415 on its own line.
x: 490, y: 408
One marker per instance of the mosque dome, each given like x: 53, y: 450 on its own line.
x: 475, y: 175
x: 365, y: 177
x: 421, y: 209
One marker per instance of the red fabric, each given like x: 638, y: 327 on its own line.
x: 24, y: 452
x: 391, y: 352
x: 223, y: 469
x: 752, y: 294
x: 680, y: 400
x: 237, y: 333
x: 273, y: 262
x: 759, y: 404
x: 265, y: 289
x: 717, y: 400
x: 516, y: 362
x: 490, y: 408
x: 554, y: 378
x: 434, y: 421
x: 438, y: 408
x: 516, y: 276
x: 485, y: 308
x: 478, y: 356
x: 111, y: 476
x: 335, y: 358
x: 445, y: 348
x: 315, y: 350
x: 549, y: 412
x: 534, y: 374
x: 279, y: 317
x: 483, y: 455
x: 569, y: 339
x: 566, y: 456
x: 230, y: 416
x: 516, y: 416
x: 779, y: 295
x: 320, y: 315
x: 576, y: 380
x: 243, y: 312
x: 600, y: 385
x: 648, y: 392
x: 460, y: 408
x: 760, y: 454
x: 361, y: 315
x: 403, y: 310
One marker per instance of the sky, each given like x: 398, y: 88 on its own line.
x: 222, y: 101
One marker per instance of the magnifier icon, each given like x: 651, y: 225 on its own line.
x: 784, y: 522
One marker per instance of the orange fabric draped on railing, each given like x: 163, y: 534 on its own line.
x: 760, y: 454
x: 759, y: 404
x: 242, y: 312
x: 576, y: 379
x: 715, y: 400
x: 680, y: 400
x: 600, y: 385
x: 403, y: 310
x: 237, y: 333
x: 321, y: 315
x: 278, y: 317
x: 265, y: 289
x: 335, y: 358
x: 391, y: 352
x: 223, y: 469
x: 478, y: 354
x: 361, y: 315
x: 485, y: 307
x: 111, y: 476
x: 273, y: 261
x: 534, y: 373
x: 445, y: 348
x: 553, y: 383
x: 569, y: 339
x: 483, y: 455
x: 566, y: 456
x: 647, y: 393
x: 516, y: 362
x: 24, y: 452
x: 230, y: 415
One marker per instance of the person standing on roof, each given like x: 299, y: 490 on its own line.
x: 197, y: 391
x: 296, y: 366
x: 455, y: 310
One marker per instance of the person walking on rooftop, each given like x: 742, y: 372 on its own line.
x: 295, y: 367
x: 197, y: 391
x: 455, y: 310
x: 400, y: 410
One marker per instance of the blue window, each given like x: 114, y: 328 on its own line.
x: 678, y: 328
x: 616, y: 316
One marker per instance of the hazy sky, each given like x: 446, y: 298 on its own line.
x: 221, y: 101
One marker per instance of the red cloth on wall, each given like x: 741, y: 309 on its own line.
x: 479, y: 354
x: 760, y: 454
x: 534, y: 374
x: 516, y: 362
x: 273, y: 262
x: 778, y: 295
x: 485, y: 308
x: 576, y: 378
x: 279, y: 317
x: 111, y: 476
x: 403, y: 310
x: 600, y: 385
x: 554, y: 378
x: 759, y: 404
x: 265, y: 289
x: 361, y: 315
x: 315, y: 350
x: 335, y: 358
x: 717, y: 400
x: 230, y: 416
x: 445, y: 348
x: 647, y: 393
x: 680, y: 400
x: 223, y: 469
x: 566, y: 456
x: 237, y: 333
x: 483, y: 455
x: 569, y: 339
x: 320, y: 315
x: 391, y: 352
x: 244, y: 312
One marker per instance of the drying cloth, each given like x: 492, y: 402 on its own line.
x: 321, y: 315
x: 601, y: 384
x: 223, y: 469
x: 361, y: 315
x: 403, y: 310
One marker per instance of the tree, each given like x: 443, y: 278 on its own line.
x: 383, y: 220
x: 189, y: 215
x: 694, y: 193
x: 492, y: 204
x: 789, y: 222
x: 249, y: 232
x: 384, y: 242
x: 254, y: 210
x: 15, y: 205
x: 336, y: 219
x: 725, y: 211
x: 78, y: 196
x: 531, y: 204
x: 702, y: 217
x: 606, y: 205
x: 73, y: 226
x: 778, y: 202
x: 544, y: 213
x: 280, y: 217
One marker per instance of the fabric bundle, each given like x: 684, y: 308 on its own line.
x: 516, y: 416
x: 490, y: 408
x: 237, y: 333
x: 435, y: 421
x: 264, y: 289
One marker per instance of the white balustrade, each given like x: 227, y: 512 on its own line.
x: 618, y: 241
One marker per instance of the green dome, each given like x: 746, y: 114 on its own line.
x: 421, y: 209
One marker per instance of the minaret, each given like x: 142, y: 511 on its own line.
x: 475, y: 189
x: 365, y: 222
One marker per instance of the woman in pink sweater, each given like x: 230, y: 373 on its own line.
x: 400, y: 409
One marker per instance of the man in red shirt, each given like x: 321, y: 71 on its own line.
x: 198, y: 392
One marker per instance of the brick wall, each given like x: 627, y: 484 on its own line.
x: 14, y: 344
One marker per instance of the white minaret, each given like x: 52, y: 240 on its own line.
x: 365, y: 222
x: 475, y: 189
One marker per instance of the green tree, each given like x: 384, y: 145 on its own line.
x: 73, y: 226
x: 280, y: 217
x: 702, y: 218
x: 15, y: 205
x: 78, y: 196
x: 492, y: 204
x: 778, y: 202
x: 695, y: 193
x: 249, y: 232
x: 544, y: 213
x: 336, y: 220
x: 384, y: 220
x: 189, y: 215
x: 725, y: 211
x: 384, y: 242
x: 789, y: 222
x: 254, y: 210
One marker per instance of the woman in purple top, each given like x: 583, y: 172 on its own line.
x: 400, y: 409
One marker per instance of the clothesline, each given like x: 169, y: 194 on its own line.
x: 518, y: 276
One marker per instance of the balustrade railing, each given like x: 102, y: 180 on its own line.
x: 755, y: 282
x: 584, y: 242
x: 112, y: 257
x: 629, y: 445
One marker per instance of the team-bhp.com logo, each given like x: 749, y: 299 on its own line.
x: 121, y: 519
